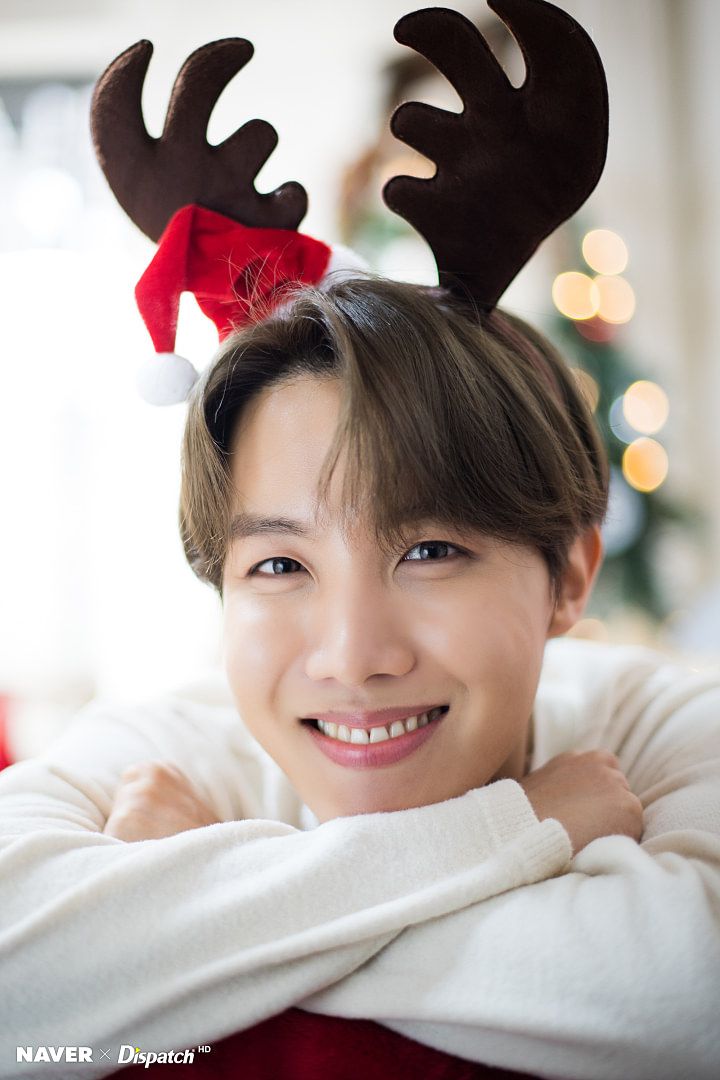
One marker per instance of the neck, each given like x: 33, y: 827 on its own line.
x: 517, y: 765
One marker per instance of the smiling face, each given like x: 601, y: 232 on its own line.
x: 327, y: 623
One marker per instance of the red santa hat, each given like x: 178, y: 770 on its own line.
x: 236, y: 273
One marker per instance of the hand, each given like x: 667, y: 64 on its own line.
x: 154, y: 800
x: 586, y: 791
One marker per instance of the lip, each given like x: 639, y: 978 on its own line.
x: 375, y: 718
x: 374, y: 755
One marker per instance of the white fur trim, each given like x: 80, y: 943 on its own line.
x: 343, y: 263
x: 166, y: 379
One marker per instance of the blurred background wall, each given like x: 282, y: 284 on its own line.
x: 95, y: 597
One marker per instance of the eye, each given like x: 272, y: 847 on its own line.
x: 274, y: 563
x: 428, y: 553
x: 427, y: 549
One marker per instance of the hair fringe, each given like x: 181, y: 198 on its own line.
x: 473, y: 420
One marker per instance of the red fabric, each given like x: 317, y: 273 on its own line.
x: 229, y: 267
x: 5, y: 755
x: 298, y: 1045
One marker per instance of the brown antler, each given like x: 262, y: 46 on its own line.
x: 516, y: 162
x: 152, y: 178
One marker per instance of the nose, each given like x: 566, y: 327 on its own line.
x: 358, y: 631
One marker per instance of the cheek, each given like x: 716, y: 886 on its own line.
x: 491, y: 630
x: 494, y: 636
x: 258, y: 647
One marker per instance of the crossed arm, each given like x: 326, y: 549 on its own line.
x: 608, y: 969
x: 187, y: 938
x: 571, y: 964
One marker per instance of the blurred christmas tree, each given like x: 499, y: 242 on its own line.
x: 593, y: 304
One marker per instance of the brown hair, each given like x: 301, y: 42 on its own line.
x: 475, y: 423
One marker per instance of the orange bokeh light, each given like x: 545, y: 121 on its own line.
x: 605, y: 252
x: 575, y: 295
x: 645, y: 464
x: 617, y: 299
x: 646, y: 406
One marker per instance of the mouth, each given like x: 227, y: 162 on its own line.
x: 363, y: 736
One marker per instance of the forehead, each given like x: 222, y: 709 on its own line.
x: 277, y: 458
x: 279, y: 420
x: 280, y: 446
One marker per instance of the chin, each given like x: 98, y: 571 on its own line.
x: 374, y: 805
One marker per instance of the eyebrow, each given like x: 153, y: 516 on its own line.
x: 245, y: 524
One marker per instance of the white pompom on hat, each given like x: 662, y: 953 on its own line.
x: 166, y: 379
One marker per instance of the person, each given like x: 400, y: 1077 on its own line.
x: 187, y: 869
x: 410, y: 799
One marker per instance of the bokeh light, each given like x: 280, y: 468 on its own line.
x: 596, y: 330
x: 575, y: 295
x: 626, y: 515
x: 645, y: 464
x: 616, y: 299
x: 646, y: 406
x: 619, y: 425
x: 587, y: 387
x: 605, y: 252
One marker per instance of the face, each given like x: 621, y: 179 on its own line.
x: 325, y: 626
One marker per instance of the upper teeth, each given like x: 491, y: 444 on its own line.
x: 377, y: 734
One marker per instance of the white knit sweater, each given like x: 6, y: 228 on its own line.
x: 465, y: 925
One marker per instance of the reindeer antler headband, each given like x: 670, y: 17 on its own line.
x: 511, y: 167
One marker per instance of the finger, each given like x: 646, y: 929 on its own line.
x: 147, y: 770
x: 133, y: 772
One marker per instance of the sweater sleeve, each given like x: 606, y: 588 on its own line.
x: 612, y: 969
x: 171, y: 942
